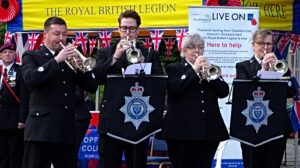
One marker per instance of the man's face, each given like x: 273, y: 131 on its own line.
x: 262, y: 46
x: 128, y: 28
x: 8, y: 56
x: 54, y: 35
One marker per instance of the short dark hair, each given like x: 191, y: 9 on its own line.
x: 130, y: 14
x: 54, y: 20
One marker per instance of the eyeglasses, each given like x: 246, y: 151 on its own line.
x: 193, y: 47
x: 131, y: 29
x: 262, y: 44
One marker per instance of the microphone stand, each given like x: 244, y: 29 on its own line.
x: 229, y: 101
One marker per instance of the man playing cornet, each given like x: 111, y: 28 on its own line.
x: 111, y: 61
x: 49, y: 133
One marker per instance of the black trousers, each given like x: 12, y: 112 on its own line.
x: 40, y: 154
x: 111, y: 151
x: 192, y: 154
x: 81, y: 128
x: 268, y: 155
x: 11, y: 148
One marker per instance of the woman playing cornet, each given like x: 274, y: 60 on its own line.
x: 269, y: 154
x: 194, y: 126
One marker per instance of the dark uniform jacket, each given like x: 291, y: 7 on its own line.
x: 82, y: 111
x: 193, y: 111
x: 9, y: 107
x: 52, y: 98
x: 104, y: 68
x: 249, y: 68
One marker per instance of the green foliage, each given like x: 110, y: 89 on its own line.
x: 2, y: 32
x: 167, y: 59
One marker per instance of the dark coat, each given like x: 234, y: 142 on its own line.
x: 82, y: 111
x: 193, y: 111
x: 104, y: 68
x: 52, y: 98
x: 9, y: 107
x: 248, y: 70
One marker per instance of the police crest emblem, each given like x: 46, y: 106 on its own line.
x: 137, y: 108
x: 257, y: 111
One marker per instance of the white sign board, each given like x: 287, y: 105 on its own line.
x: 227, y: 32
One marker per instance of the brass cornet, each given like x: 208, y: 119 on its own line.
x: 87, y: 63
x: 279, y: 66
x: 212, y: 73
x: 133, y: 54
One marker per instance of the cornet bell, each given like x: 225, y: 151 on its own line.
x: 89, y: 63
x: 133, y: 55
x: 213, y: 72
x: 279, y: 66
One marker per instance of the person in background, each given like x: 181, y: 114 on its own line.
x: 11, y: 126
x: 268, y: 155
x: 112, y: 60
x: 50, y: 128
x: 194, y: 126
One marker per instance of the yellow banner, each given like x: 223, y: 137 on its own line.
x: 90, y: 14
x: 274, y: 14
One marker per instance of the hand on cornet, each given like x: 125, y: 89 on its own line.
x: 122, y: 46
x: 200, y: 65
x: 268, y: 59
x: 67, y: 52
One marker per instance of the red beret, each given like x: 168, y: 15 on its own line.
x: 8, y: 46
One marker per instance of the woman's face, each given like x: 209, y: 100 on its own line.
x: 191, y: 52
x: 262, y: 46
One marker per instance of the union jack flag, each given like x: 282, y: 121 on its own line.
x: 32, y: 40
x: 82, y: 38
x: 156, y: 36
x: 169, y: 45
x: 22, y: 44
x: 295, y: 116
x: 180, y: 33
x: 8, y: 37
x: 147, y: 42
x: 92, y: 43
x: 75, y: 43
x: 283, y: 43
x: 296, y: 40
x: 105, y: 37
x: 281, y: 46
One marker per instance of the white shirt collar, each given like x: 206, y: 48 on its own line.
x: 7, y: 67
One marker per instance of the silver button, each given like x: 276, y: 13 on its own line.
x: 102, y: 106
x: 202, y: 101
x: 66, y: 107
x: 37, y: 114
x: 203, y: 111
x: 202, y: 91
x: 62, y: 70
x: 66, y: 94
x: 64, y: 82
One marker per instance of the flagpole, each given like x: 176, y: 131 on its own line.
x: 296, y: 149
